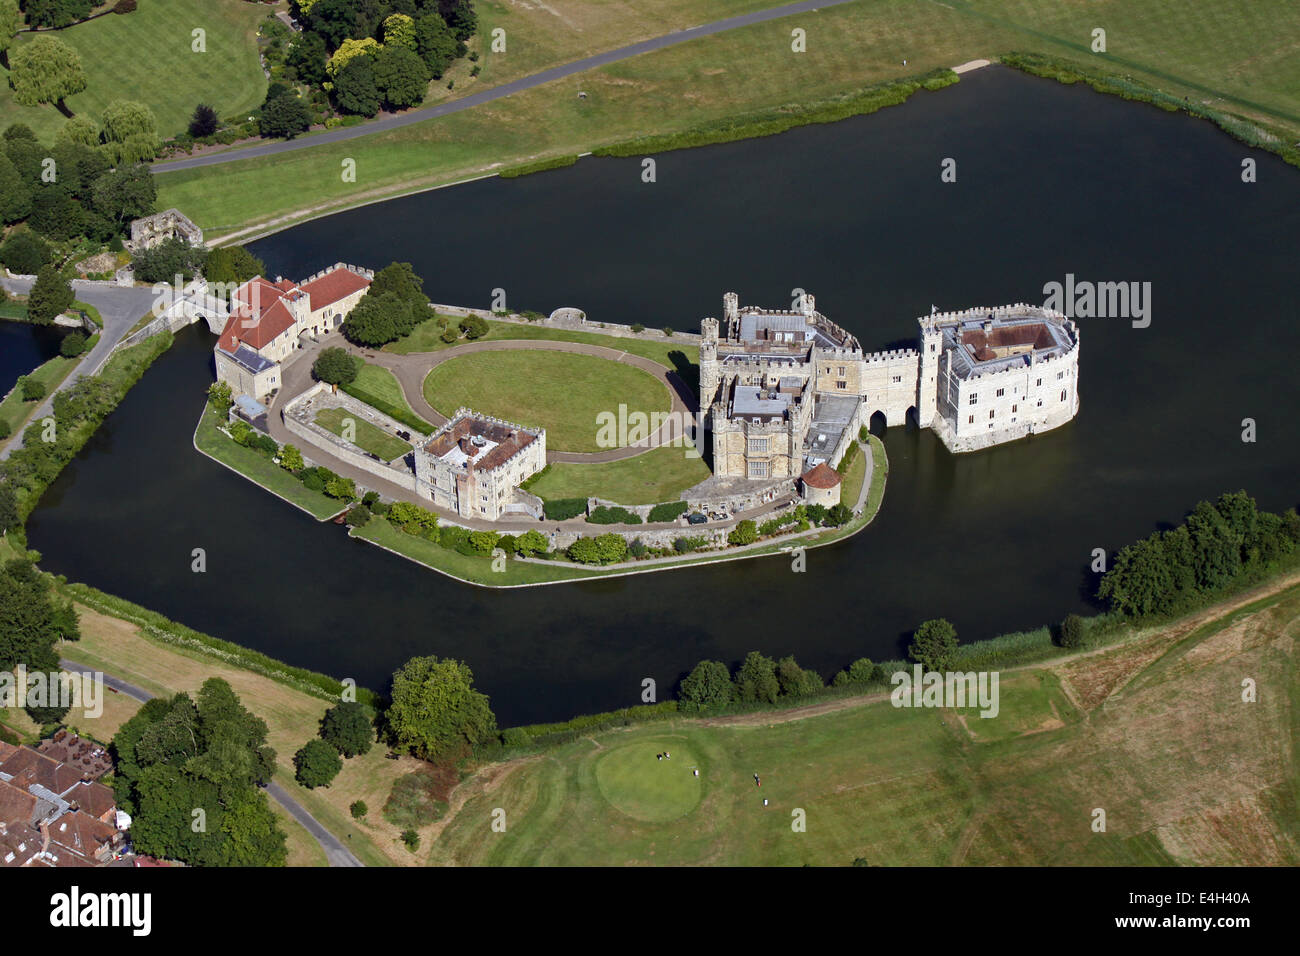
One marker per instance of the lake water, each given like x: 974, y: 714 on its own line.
x: 23, y: 347
x: 1050, y: 180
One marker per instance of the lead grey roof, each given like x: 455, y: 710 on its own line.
x: 251, y: 360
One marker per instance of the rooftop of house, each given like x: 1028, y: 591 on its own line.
x: 472, y: 441
x: 750, y: 401
x: 998, y: 341
x: 260, y: 309
x: 821, y: 476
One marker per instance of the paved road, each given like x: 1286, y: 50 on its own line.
x: 335, y: 851
x: 119, y: 306
x: 498, y: 92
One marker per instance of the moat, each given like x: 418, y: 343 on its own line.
x: 1051, y: 181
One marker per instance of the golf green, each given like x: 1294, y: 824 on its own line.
x: 636, y: 782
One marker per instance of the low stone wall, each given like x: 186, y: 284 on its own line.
x: 743, y: 500
x: 314, y: 434
x: 566, y: 318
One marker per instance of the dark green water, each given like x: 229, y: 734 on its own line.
x: 1051, y: 180
x: 22, y: 348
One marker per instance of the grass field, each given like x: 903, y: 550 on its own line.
x: 15, y: 412
x: 377, y: 386
x: 262, y: 470
x: 1237, y: 57
x: 367, y: 437
x: 660, y: 474
x: 146, y: 55
x: 118, y: 648
x: 653, y: 346
x: 559, y: 391
x: 853, y: 478
x: 1154, y: 731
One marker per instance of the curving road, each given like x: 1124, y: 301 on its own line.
x: 335, y: 851
x: 498, y: 92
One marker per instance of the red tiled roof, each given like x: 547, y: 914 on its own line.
x: 822, y: 476
x: 336, y: 284
x: 254, y: 332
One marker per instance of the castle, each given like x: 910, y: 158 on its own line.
x: 784, y: 392
x: 269, y: 321
x: 473, y: 465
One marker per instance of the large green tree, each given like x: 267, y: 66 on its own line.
x: 130, y: 132
x: 45, y: 70
x: 232, y: 264
x: 125, y: 194
x: 355, y: 88
x: 347, y: 726
x: 708, y: 683
x: 51, y: 296
x: 11, y: 21
x: 436, y: 713
x: 335, y: 366
x: 401, y: 76
x: 316, y: 764
x: 933, y: 645
x: 285, y: 116
x: 15, y: 192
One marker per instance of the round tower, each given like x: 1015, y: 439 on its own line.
x: 709, y: 372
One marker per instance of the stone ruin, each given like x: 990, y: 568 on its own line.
x: 152, y: 230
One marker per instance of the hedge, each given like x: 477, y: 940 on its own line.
x: 668, y: 511
x: 561, y: 509
x: 613, y: 515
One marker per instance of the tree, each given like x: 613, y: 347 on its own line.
x: 375, y: 320
x: 30, y: 389
x: 51, y: 296
x: 232, y: 264
x: 11, y: 21
x: 399, y: 30
x: 344, y: 489
x: 9, y: 517
x: 358, y: 516
x: 708, y: 683
x: 474, y: 327
x: 355, y: 88
x: 744, y: 533
x: 531, y: 542
x: 435, y: 43
x: 24, y: 253
x: 839, y: 514
x: 1072, y: 631
x: 15, y: 192
x: 795, y: 680
x: 204, y: 121
x: 335, y: 366
x: 32, y: 621
x: 307, y: 56
x: 57, y: 13
x: 401, y: 76
x: 358, y: 809
x: 933, y: 645
x: 73, y: 344
x: 347, y: 727
x: 436, y: 713
x: 350, y: 50
x: 130, y: 132
x: 220, y: 397
x: 46, y: 70
x: 55, y: 214
x: 756, y: 679
x: 285, y: 116
x: 460, y: 16
x: 316, y: 764
x: 79, y: 129
x: 291, y: 459
x: 171, y: 257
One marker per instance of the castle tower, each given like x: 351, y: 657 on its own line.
x: 709, y: 370
x: 927, y: 384
x: 731, y: 313
x: 808, y: 303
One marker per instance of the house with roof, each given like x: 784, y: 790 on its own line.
x: 53, y: 811
x: 473, y: 465
x: 269, y: 321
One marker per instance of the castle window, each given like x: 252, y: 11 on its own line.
x: 841, y: 371
x: 897, y: 379
x: 1060, y: 375
x: 1062, y: 394
x: 1013, y: 409
x: 758, y: 469
x: 841, y: 384
x: 1001, y: 392
x: 758, y: 446
x: 990, y: 414
x: 974, y: 398
x: 970, y: 419
x: 1040, y: 403
x: 1040, y: 382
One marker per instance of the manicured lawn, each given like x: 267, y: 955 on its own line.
x: 652, y: 346
x: 262, y: 470
x: 1185, y: 47
x: 660, y: 474
x: 377, y: 386
x: 367, y: 437
x: 561, y: 392
x: 906, y: 786
x: 147, y: 56
x: 851, y: 486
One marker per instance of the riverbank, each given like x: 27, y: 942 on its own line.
x: 1212, y: 59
